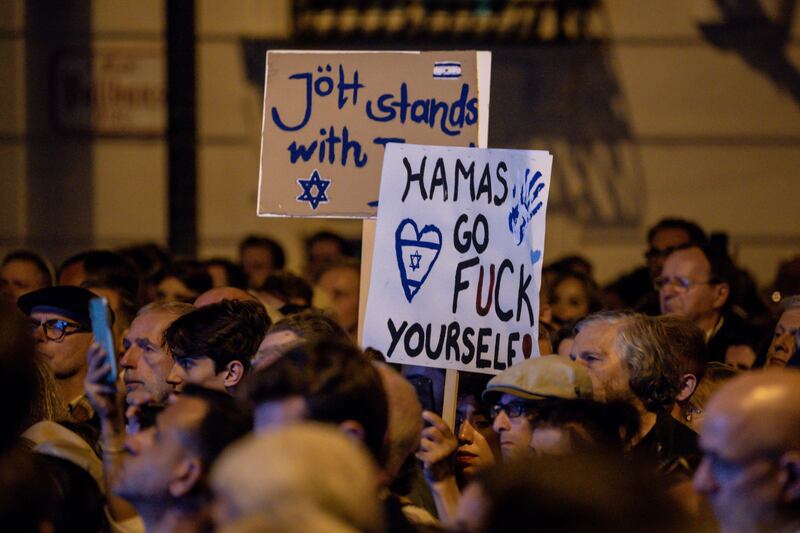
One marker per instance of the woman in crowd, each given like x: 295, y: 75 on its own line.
x: 573, y: 295
x: 451, y: 461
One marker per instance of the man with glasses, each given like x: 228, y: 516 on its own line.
x: 62, y: 332
x: 515, y: 392
x: 695, y: 284
x: 636, y: 289
x: 750, y: 438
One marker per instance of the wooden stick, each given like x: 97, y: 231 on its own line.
x: 450, y: 395
x: 367, y: 249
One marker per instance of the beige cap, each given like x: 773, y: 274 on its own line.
x: 541, y: 378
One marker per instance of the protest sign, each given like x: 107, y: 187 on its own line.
x: 460, y: 237
x: 329, y: 115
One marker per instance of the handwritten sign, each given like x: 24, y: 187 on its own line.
x: 458, y: 255
x: 329, y: 115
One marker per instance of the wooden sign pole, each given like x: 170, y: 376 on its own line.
x: 367, y: 250
x: 450, y: 395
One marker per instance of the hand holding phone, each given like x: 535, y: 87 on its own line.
x: 101, y: 328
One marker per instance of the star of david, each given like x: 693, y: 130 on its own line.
x: 314, y: 182
x: 415, y: 257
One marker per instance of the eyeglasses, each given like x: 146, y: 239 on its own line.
x: 55, y: 329
x: 512, y: 409
x: 680, y: 283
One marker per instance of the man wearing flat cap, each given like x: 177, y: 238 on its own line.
x: 515, y: 393
x: 62, y: 332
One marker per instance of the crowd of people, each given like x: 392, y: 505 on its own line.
x: 238, y: 400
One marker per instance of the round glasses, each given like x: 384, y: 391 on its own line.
x: 56, y: 329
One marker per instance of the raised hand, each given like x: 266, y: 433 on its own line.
x: 437, y: 448
x: 107, y: 399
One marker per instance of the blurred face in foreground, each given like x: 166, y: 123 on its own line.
x: 750, y: 438
x: 279, y: 412
x: 162, y: 463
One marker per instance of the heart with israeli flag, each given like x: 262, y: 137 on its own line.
x: 417, y: 251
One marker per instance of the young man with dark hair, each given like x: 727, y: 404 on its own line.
x: 324, y: 381
x: 689, y: 347
x: 212, y: 345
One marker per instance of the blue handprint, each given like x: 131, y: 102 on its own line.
x: 525, y: 206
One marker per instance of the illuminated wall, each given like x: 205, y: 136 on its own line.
x: 710, y: 130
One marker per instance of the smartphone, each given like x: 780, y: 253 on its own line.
x: 424, y: 387
x: 101, y: 328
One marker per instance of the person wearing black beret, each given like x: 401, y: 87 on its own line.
x: 62, y: 332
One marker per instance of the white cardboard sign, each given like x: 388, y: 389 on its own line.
x: 458, y: 254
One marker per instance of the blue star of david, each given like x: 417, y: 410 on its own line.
x: 415, y: 257
x: 321, y: 185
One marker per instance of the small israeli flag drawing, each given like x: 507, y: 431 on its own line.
x: 443, y: 70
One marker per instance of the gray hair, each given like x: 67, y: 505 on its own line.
x: 645, y: 346
x: 174, y: 308
x: 178, y: 309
